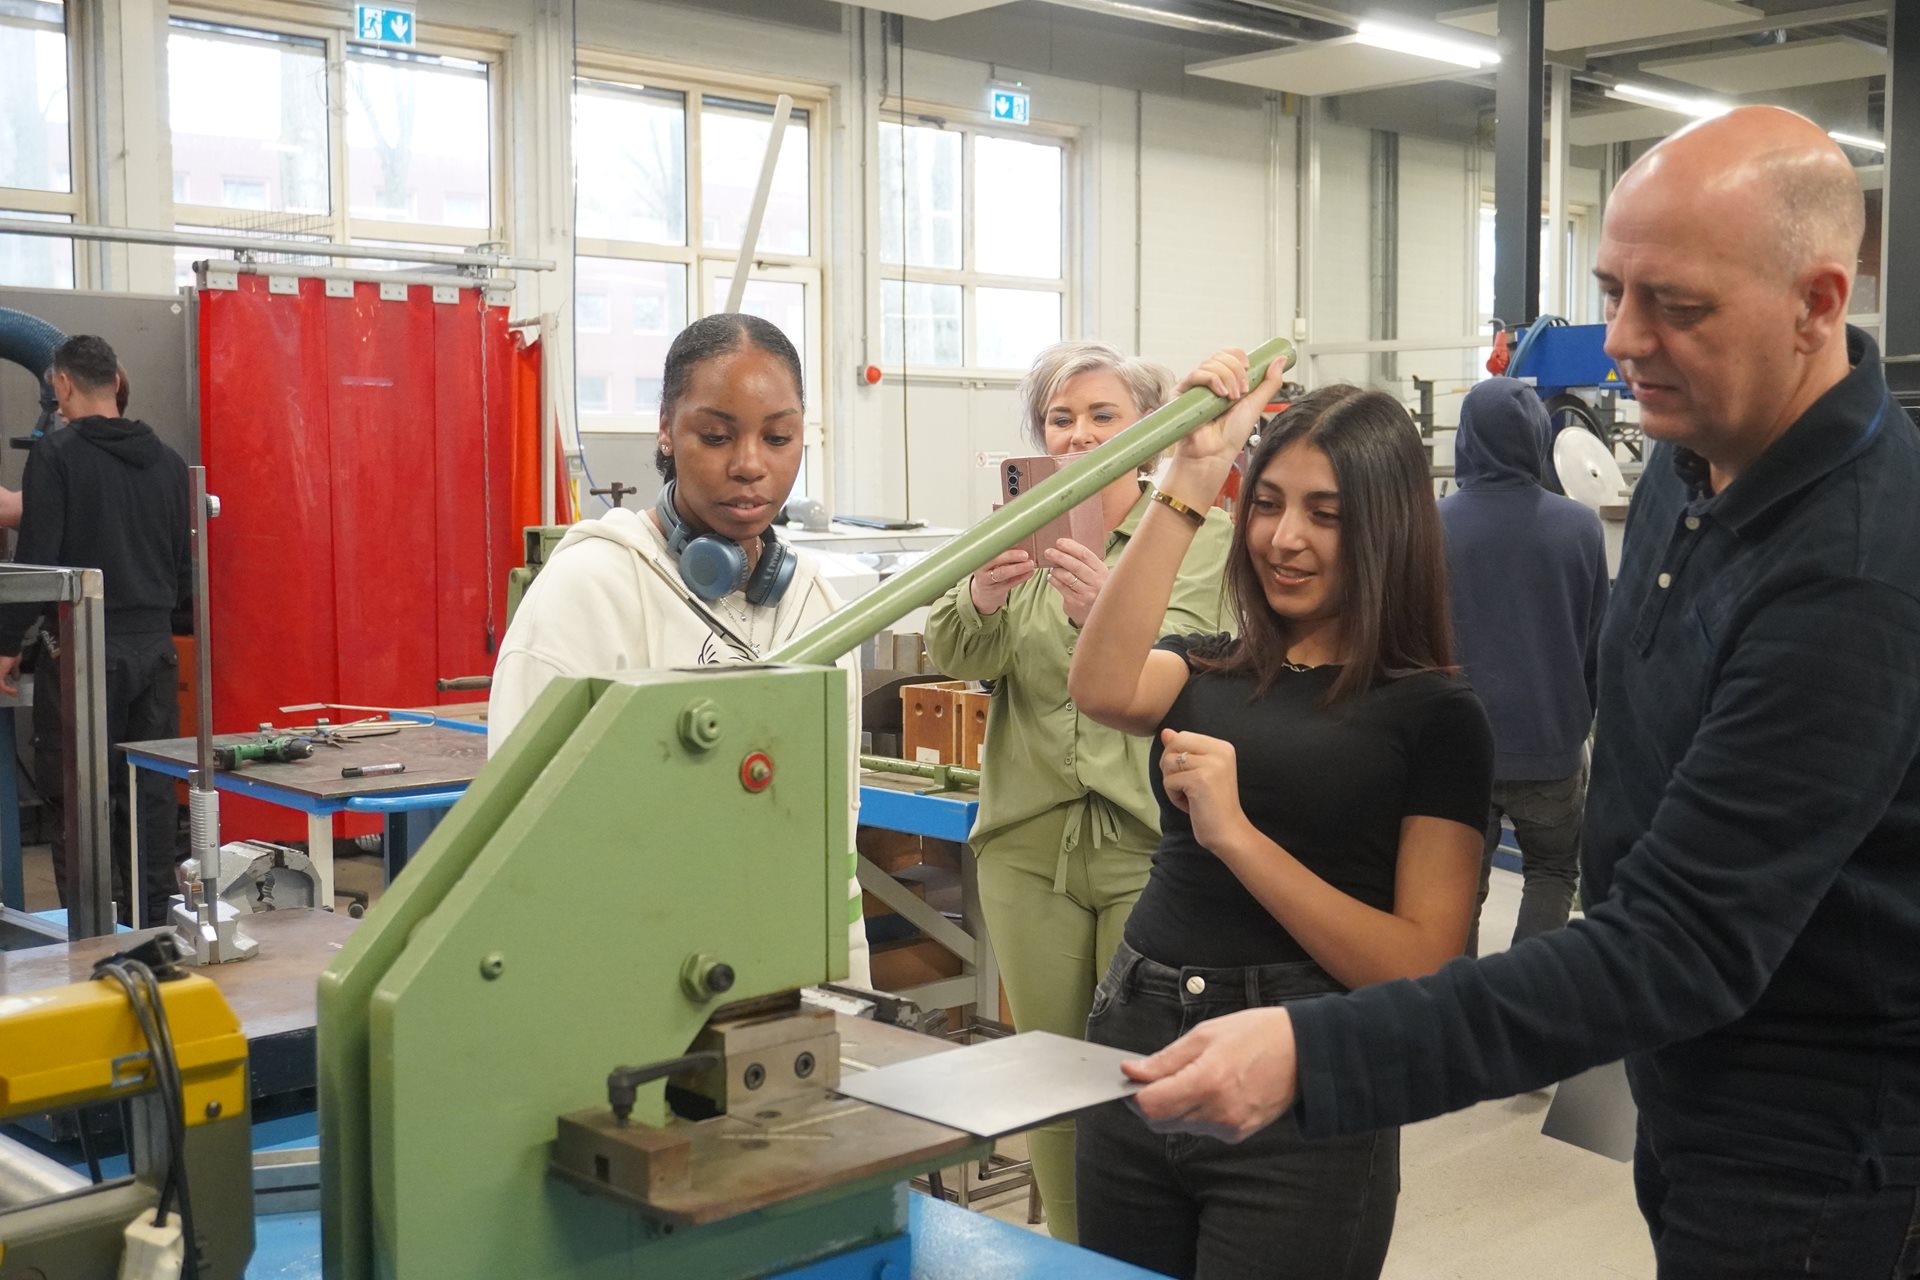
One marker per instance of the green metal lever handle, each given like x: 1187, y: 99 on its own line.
x: 1164, y: 427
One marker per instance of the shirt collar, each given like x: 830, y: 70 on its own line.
x: 1833, y: 430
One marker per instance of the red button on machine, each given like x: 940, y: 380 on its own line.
x: 756, y: 771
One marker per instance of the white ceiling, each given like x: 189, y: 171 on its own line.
x: 1575, y: 24
x: 1340, y: 65
x: 1629, y: 124
x: 930, y: 10
x: 1777, y: 66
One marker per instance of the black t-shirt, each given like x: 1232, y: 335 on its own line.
x: 1330, y: 785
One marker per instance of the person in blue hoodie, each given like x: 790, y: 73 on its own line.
x: 1527, y: 576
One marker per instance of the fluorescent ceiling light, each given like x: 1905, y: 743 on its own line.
x: 1698, y: 108
x: 1420, y: 44
x: 1855, y: 140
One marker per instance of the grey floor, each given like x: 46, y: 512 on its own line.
x: 1485, y: 1197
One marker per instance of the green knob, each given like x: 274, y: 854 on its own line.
x: 700, y: 725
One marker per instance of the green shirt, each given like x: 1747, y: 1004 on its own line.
x: 1040, y: 751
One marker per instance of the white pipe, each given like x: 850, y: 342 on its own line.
x: 429, y: 279
x: 782, y: 108
x: 269, y: 244
x: 1553, y: 264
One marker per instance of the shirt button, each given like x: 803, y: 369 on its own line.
x: 1666, y: 580
x: 1196, y: 984
x: 1693, y: 522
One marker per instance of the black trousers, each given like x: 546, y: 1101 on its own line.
x: 143, y: 702
x: 1278, y: 1206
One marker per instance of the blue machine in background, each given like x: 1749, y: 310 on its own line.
x: 1575, y: 377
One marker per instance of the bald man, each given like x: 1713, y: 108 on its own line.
x: 1752, y: 938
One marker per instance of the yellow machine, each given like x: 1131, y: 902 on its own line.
x: 93, y: 1042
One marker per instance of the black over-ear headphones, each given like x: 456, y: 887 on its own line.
x: 713, y: 566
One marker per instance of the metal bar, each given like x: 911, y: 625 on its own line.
x: 83, y: 717
x: 1516, y: 161
x: 21, y: 929
x: 490, y: 284
x: 911, y: 908
x: 203, y: 796
x: 26, y: 1176
x: 37, y: 584
x: 269, y: 244
x: 743, y: 266
x: 1553, y: 265
x: 13, y: 883
x: 927, y: 580
x: 1900, y: 202
x: 1465, y: 342
x: 951, y: 774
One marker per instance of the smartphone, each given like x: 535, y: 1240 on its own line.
x: 1020, y: 476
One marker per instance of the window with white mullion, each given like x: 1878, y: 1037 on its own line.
x: 992, y: 294
x: 666, y: 168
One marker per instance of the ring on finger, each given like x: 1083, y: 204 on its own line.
x: 1180, y: 760
x: 993, y: 576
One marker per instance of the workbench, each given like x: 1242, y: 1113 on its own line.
x: 441, y: 760
x: 272, y: 994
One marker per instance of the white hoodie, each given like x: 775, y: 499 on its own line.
x: 595, y: 607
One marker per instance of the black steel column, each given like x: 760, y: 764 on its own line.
x: 1519, y: 110
x: 1900, y: 202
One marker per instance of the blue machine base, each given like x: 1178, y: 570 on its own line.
x: 942, y: 1243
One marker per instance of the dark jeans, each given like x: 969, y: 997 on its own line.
x: 1276, y: 1205
x: 1713, y: 1217
x: 143, y: 702
x: 1546, y: 819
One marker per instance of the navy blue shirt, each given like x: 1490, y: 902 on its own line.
x: 1752, y: 942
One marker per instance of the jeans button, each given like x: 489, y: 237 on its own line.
x: 1196, y: 984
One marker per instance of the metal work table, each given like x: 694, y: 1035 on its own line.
x: 272, y: 994
x: 441, y: 759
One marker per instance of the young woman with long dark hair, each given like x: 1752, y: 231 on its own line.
x: 1322, y: 780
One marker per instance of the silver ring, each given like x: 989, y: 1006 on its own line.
x: 1180, y: 761
x: 1075, y: 581
x: 993, y: 576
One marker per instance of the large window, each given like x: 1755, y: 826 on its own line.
x: 973, y: 245
x: 665, y: 173
x: 300, y: 132
x: 36, y: 141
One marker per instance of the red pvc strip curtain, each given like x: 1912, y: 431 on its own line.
x: 361, y: 450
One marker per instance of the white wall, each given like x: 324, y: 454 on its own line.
x: 1184, y: 207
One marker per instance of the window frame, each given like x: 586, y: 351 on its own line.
x: 333, y: 27
x: 702, y: 262
x: 73, y: 204
x: 972, y: 124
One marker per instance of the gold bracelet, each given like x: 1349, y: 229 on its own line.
x: 1174, y: 504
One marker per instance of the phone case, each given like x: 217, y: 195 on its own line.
x: 1019, y: 476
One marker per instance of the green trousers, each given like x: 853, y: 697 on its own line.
x: 1056, y: 891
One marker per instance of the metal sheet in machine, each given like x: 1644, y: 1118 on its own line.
x: 1000, y: 1086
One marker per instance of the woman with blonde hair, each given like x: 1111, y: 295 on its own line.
x: 1067, y: 824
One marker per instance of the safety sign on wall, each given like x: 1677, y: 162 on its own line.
x: 1009, y: 106
x: 380, y: 24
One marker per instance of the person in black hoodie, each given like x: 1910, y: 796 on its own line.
x: 105, y: 493
x: 1527, y: 577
